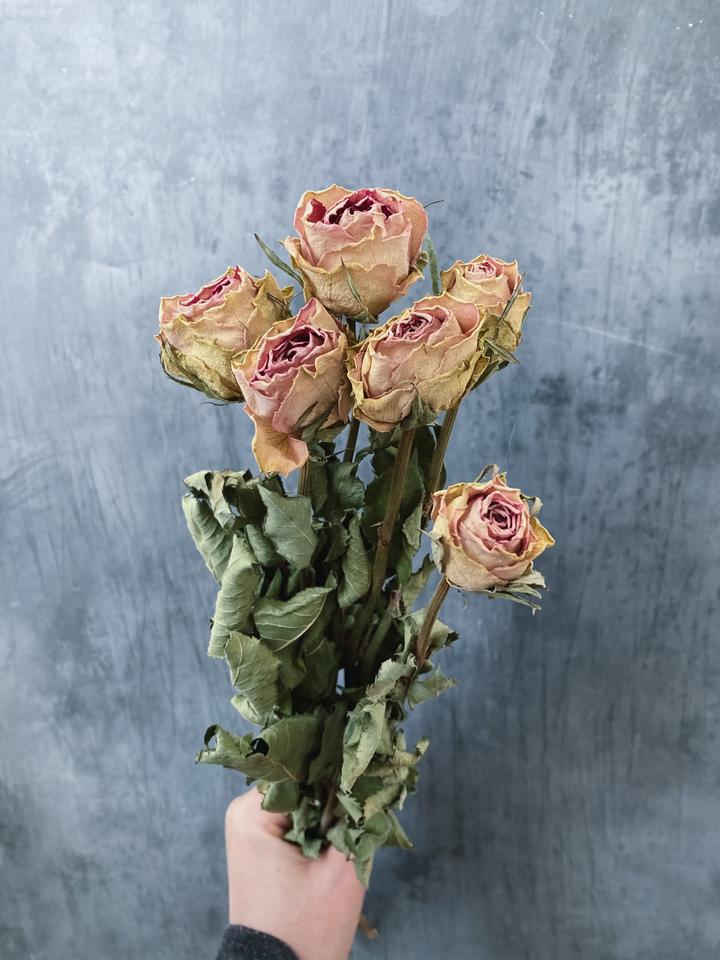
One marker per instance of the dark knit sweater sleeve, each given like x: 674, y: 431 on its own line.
x: 242, y: 943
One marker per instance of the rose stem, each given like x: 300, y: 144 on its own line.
x: 423, y: 641
x: 373, y: 645
x: 397, y: 483
x: 438, y: 458
x: 328, y: 814
x: 351, y: 440
x: 304, y: 480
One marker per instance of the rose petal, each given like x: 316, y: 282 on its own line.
x: 277, y: 452
x: 378, y: 286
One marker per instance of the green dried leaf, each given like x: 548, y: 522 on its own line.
x: 534, y: 504
x: 346, y: 490
x: 220, y: 506
x: 411, y: 530
x: 434, y: 268
x: 321, y: 661
x: 417, y: 582
x: 243, y: 491
x: 318, y: 479
x: 254, y: 671
x: 211, y: 540
x: 274, y: 587
x: 363, y: 870
x: 235, y: 598
x: 246, y: 709
x: 280, y: 797
x: 351, y: 806
x: 501, y: 351
x: 360, y: 844
x: 388, y: 679
x: 199, y: 483
x: 337, y: 543
x: 262, y: 546
x: 420, y: 415
x: 441, y: 634
x: 363, y: 735
x: 398, y: 837
x: 376, y: 794
x: 403, y: 563
x: 342, y: 835
x: 280, y: 264
x: 355, y: 581
x: 363, y: 315
x: 514, y: 597
x: 292, y: 670
x: 428, y: 687
x: 285, y: 621
x: 424, y: 446
x: 375, y: 832
x: 377, y: 494
x: 294, y: 582
x: 353, y: 289
x: 281, y: 752
x: 289, y: 525
x: 489, y: 470
x: 304, y: 831
x: 326, y: 763
x: 533, y: 578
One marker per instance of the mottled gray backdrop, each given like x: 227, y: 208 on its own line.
x: 570, y: 802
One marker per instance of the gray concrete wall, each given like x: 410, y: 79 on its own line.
x: 569, y: 806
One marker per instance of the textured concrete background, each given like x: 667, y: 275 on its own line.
x: 569, y: 806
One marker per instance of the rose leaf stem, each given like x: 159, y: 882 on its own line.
x: 351, y: 440
x: 304, y: 480
x: 422, y: 648
x: 438, y: 458
x: 392, y: 508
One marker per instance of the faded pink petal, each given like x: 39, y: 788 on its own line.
x: 293, y: 378
x: 429, y: 352
x: 487, y: 533
x: 373, y: 234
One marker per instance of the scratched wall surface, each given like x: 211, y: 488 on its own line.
x: 569, y: 805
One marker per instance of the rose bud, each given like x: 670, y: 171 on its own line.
x: 374, y: 235
x: 293, y: 378
x: 200, y: 332
x: 490, y: 283
x: 429, y: 353
x: 484, y: 534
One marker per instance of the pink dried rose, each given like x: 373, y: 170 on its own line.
x: 200, y: 332
x: 490, y: 283
x: 292, y: 379
x: 373, y: 234
x: 430, y: 353
x: 485, y: 534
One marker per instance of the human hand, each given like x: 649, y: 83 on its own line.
x: 312, y: 905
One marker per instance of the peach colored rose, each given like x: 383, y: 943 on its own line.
x: 374, y: 234
x: 490, y: 283
x: 484, y: 534
x: 430, y: 353
x: 294, y: 378
x: 200, y: 332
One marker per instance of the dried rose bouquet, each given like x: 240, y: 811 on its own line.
x: 317, y: 613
